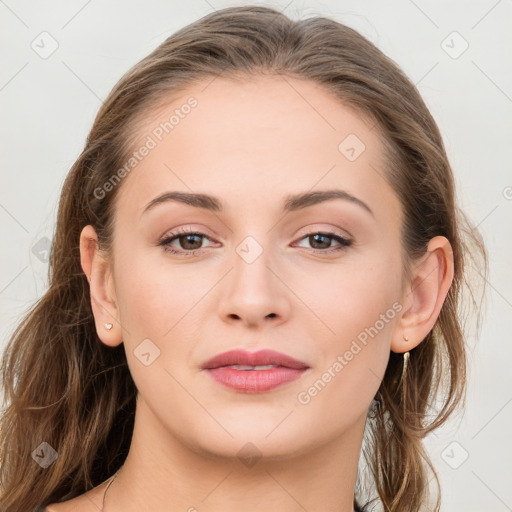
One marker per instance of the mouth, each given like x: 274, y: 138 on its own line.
x: 254, y: 372
x: 244, y: 360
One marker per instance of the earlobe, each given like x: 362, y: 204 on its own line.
x: 103, y: 301
x: 430, y: 282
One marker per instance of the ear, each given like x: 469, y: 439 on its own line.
x: 103, y: 299
x: 430, y: 281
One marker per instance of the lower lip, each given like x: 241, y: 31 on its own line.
x: 254, y: 381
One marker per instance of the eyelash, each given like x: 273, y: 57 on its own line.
x: 344, y: 242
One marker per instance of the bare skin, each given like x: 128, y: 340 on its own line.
x: 251, y: 144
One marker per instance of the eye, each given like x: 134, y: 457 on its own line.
x: 191, y: 242
x: 324, y: 240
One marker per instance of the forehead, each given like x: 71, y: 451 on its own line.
x: 254, y: 139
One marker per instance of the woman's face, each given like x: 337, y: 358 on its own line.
x: 258, y: 277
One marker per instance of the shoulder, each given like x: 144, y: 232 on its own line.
x: 91, y: 501
x: 73, y: 505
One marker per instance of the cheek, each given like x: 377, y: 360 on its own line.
x: 351, y: 367
x: 360, y: 306
x: 164, y: 303
x: 352, y: 296
x: 156, y: 305
x: 155, y: 295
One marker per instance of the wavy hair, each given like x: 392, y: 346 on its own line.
x: 63, y: 386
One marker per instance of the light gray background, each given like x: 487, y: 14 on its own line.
x: 48, y: 105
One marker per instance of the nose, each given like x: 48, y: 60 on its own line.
x: 254, y: 294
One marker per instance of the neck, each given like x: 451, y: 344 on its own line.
x: 161, y: 473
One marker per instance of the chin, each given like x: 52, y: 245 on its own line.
x: 258, y: 439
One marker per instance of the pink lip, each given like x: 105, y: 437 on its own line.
x: 262, y: 357
x: 254, y: 381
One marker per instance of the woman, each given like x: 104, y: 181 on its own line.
x: 255, y: 279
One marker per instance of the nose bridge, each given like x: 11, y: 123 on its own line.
x: 254, y: 292
x: 255, y: 250
x: 251, y: 273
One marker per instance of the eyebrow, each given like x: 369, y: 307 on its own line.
x: 292, y: 202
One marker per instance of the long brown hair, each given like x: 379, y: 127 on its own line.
x: 64, y: 387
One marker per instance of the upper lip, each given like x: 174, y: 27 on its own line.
x: 262, y: 357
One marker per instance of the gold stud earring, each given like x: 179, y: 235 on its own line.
x: 108, y: 326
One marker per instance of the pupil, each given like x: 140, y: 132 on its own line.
x: 187, y: 241
x: 321, y: 236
